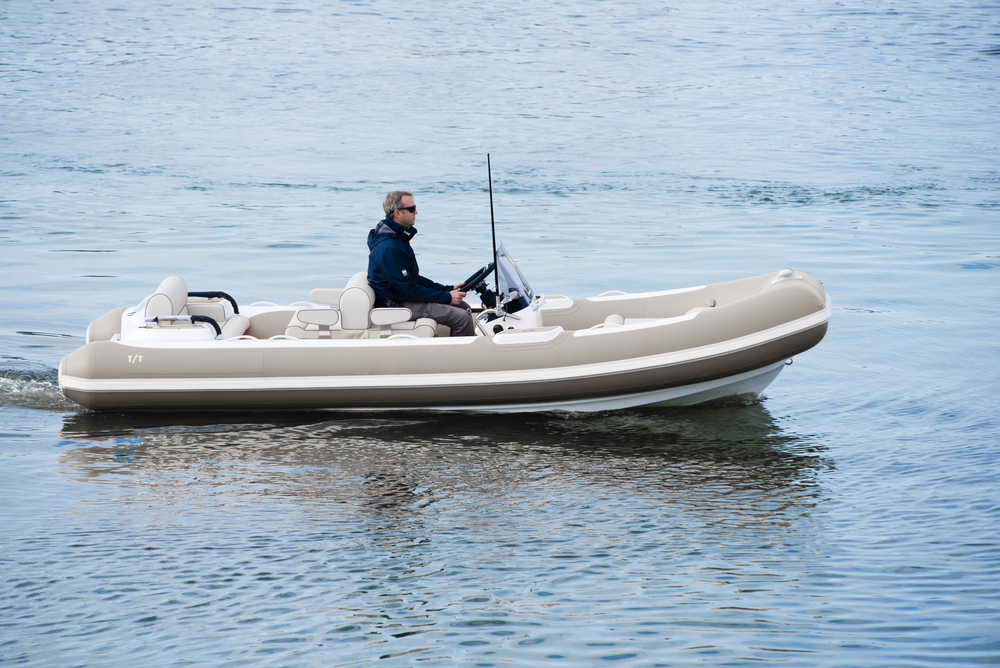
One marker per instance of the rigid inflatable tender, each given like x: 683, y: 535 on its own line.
x: 199, y: 350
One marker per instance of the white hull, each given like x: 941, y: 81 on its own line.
x: 665, y: 348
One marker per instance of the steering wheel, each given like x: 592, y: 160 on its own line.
x: 478, y: 279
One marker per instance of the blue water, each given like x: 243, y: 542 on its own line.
x: 851, y: 517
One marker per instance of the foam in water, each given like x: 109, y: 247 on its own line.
x: 33, y: 389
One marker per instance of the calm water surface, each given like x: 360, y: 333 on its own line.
x: 849, y: 518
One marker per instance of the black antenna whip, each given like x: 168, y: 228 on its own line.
x: 493, y: 226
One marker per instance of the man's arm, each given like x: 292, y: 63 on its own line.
x: 433, y: 285
x: 409, y: 287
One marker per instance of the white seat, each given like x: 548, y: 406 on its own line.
x: 171, y: 299
x: 315, y: 323
x: 356, y: 304
x: 235, y: 326
x: 219, y: 310
x: 360, y: 320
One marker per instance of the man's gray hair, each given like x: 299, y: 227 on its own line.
x: 394, y: 200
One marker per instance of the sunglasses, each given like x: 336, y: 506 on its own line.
x: 411, y: 209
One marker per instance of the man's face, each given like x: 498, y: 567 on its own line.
x: 404, y: 217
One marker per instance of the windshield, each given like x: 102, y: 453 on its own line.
x: 510, y: 276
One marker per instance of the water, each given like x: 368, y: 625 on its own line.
x: 850, y: 517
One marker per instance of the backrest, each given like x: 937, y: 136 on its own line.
x: 356, y: 302
x: 235, y: 326
x: 169, y: 299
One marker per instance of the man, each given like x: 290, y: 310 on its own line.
x: 395, y: 277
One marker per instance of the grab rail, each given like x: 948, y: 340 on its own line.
x: 187, y: 318
x: 216, y: 294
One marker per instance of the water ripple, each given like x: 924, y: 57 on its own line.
x: 849, y: 518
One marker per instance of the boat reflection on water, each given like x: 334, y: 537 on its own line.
x: 723, y: 460
x: 433, y: 533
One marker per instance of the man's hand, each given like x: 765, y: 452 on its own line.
x: 457, y: 295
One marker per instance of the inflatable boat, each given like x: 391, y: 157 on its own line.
x: 188, y: 350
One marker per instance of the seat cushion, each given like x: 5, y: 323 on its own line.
x: 423, y: 328
x: 390, y: 316
x: 215, y: 310
x: 235, y: 326
x: 356, y: 303
x: 169, y: 299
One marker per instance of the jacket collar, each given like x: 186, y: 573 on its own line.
x: 389, y: 226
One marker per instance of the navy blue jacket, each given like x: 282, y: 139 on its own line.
x: 393, y: 270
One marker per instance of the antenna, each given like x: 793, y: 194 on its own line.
x: 493, y: 226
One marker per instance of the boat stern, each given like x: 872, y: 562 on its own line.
x: 75, y: 370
